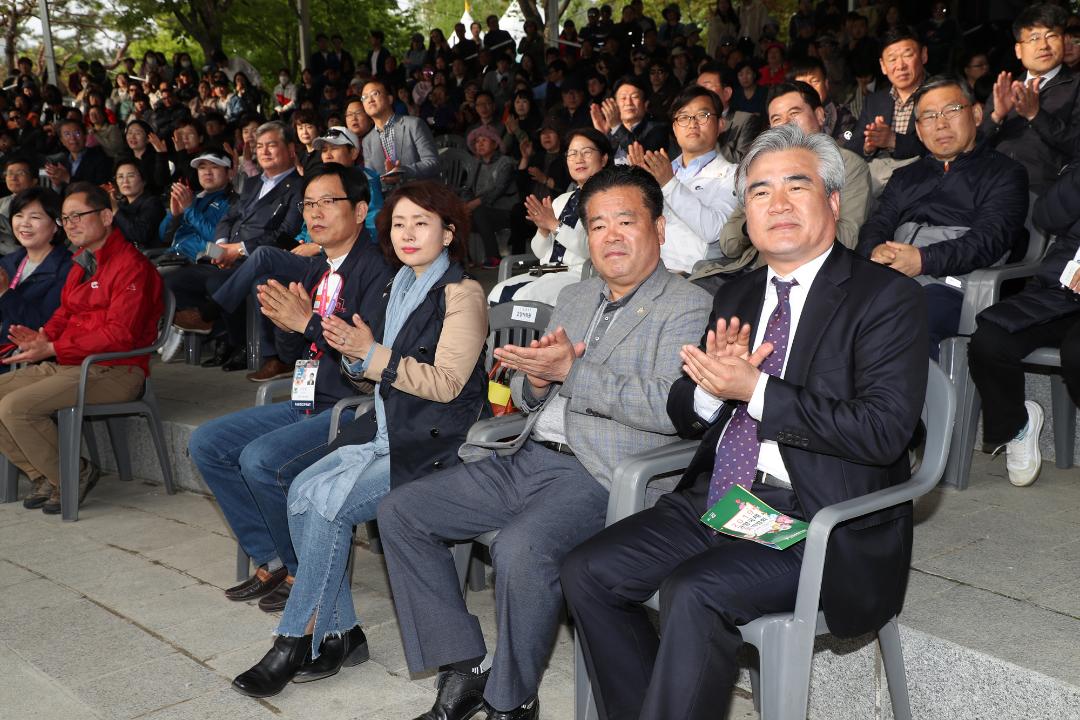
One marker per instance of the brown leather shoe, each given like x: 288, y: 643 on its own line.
x: 276, y: 601
x: 271, y: 369
x: 191, y: 321
x: 259, y: 584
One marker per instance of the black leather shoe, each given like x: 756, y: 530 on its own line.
x: 276, y: 668
x: 259, y: 584
x: 276, y: 601
x: 461, y: 695
x: 222, y: 352
x: 237, y: 361
x: 528, y: 711
x: 336, y: 652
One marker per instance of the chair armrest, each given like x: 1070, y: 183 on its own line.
x: 507, y: 264
x: 982, y: 289
x: 362, y: 403
x: 631, y: 477
x: 150, y: 253
x: 497, y: 428
x: 84, y: 371
x: 266, y: 392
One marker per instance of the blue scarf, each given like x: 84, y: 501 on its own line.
x: 326, y: 484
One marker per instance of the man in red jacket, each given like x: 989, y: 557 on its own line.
x: 111, y: 301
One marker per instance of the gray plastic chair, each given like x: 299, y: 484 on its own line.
x: 70, y: 428
x: 785, y: 641
x: 517, y: 322
x: 982, y: 289
x: 512, y: 265
x: 266, y: 395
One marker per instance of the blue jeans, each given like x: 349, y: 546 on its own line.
x: 249, y: 458
x: 322, y: 587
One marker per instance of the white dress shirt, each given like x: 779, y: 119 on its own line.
x: 1046, y: 77
x: 707, y: 405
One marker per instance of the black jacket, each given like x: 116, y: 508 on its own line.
x: 1044, y: 145
x: 365, y: 275
x: 1045, y: 299
x: 424, y: 435
x: 139, y: 220
x: 842, y: 415
x: 95, y: 166
x: 881, y: 103
x: 982, y: 190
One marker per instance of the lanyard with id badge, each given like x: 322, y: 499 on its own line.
x: 306, y: 371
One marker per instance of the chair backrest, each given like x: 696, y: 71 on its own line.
x: 167, y: 313
x: 1037, y: 239
x: 939, y: 411
x: 450, y: 140
x: 517, y: 322
x: 457, y: 168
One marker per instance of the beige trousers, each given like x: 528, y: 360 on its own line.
x: 28, y: 398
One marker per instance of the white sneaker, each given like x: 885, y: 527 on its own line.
x: 1022, y: 457
x: 174, y: 343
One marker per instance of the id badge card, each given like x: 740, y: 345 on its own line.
x: 303, y: 386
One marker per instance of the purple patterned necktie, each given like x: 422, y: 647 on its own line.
x: 737, y: 453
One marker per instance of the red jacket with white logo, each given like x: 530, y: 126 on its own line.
x: 116, y: 309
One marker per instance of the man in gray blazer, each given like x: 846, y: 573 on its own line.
x: 399, y: 147
x: 595, y: 388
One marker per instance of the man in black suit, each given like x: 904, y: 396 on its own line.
x: 379, y: 56
x: 624, y: 119
x: 81, y: 163
x: 828, y: 420
x: 742, y: 127
x: 1036, y: 121
x: 266, y: 213
x: 885, y: 128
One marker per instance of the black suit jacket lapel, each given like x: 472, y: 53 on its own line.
x: 822, y: 302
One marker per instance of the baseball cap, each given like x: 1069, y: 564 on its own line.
x: 218, y: 158
x: 337, y: 135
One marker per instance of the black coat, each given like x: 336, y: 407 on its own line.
x: 982, y: 190
x: 139, y: 221
x: 1045, y: 299
x: 424, y: 434
x: 842, y: 415
x: 881, y: 103
x: 95, y: 166
x: 1048, y: 142
x: 365, y: 274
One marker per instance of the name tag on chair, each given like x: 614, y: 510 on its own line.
x: 523, y: 313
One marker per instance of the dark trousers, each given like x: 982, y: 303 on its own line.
x: 994, y: 358
x: 488, y: 221
x: 194, y: 285
x: 709, y: 584
x: 943, y: 306
x: 265, y: 263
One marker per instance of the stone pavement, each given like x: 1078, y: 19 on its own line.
x: 121, y: 615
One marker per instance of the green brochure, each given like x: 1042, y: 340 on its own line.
x: 742, y: 514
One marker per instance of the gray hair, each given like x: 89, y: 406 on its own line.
x: 274, y: 126
x: 790, y: 137
x: 936, y: 83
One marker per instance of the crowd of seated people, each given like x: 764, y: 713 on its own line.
x: 780, y: 227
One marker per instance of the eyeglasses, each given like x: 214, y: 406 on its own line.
x: 355, y: 114
x: 71, y: 133
x: 373, y: 94
x: 333, y: 134
x: 16, y: 173
x: 1034, y: 39
x: 584, y: 153
x: 699, y: 119
x: 322, y: 203
x: 75, y: 219
x: 949, y: 112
